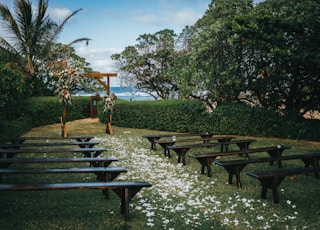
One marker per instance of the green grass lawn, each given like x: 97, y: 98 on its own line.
x: 180, y: 198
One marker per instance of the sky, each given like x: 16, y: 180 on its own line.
x: 113, y: 25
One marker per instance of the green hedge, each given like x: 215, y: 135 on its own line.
x: 166, y: 115
x: 39, y: 111
x: 191, y: 116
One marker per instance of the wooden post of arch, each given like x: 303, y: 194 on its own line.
x: 98, y: 77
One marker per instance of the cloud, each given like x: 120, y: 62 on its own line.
x: 183, y: 17
x: 147, y: 19
x: 58, y: 14
x: 99, y: 59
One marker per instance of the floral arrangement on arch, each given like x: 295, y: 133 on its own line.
x: 67, y: 79
x: 109, y: 101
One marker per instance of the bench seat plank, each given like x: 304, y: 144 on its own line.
x: 103, y: 173
x: 272, y: 179
x: 167, y: 145
x: 155, y: 137
x: 224, y: 142
x: 94, y: 161
x: 88, y: 152
x: 234, y: 167
x: 208, y: 158
x: 46, y: 138
x: 81, y: 144
x: 125, y: 190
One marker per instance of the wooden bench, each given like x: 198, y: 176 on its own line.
x: 88, y: 152
x: 103, y: 173
x: 169, y: 144
x: 234, y: 167
x: 81, y: 144
x: 47, y: 138
x: 156, y: 137
x: 94, y: 161
x: 272, y: 179
x: 125, y: 190
x: 224, y: 142
x: 206, y: 159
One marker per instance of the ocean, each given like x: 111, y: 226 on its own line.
x: 128, y: 94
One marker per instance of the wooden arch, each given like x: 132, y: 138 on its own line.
x: 98, y: 77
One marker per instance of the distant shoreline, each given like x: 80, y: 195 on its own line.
x: 127, y: 94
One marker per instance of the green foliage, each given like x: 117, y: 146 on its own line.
x: 145, y: 65
x: 13, y: 89
x: 168, y: 115
x: 32, y: 36
x: 240, y: 119
x: 38, y: 111
x: 228, y: 118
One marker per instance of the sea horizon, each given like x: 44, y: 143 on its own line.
x: 124, y: 93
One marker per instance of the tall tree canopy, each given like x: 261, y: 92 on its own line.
x: 146, y: 64
x: 266, y: 54
x: 280, y: 43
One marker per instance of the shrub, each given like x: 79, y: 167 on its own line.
x: 228, y: 118
x: 166, y: 115
x: 39, y: 111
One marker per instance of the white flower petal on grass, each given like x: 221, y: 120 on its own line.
x: 172, y: 182
x: 260, y: 218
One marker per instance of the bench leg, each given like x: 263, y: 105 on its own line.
x: 153, y: 144
x: 272, y: 183
x: 203, y: 165
x: 126, y: 194
x: 235, y: 170
x: 206, y: 163
x: 276, y: 153
x: 182, y: 155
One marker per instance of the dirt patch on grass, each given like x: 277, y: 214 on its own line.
x: 85, y: 126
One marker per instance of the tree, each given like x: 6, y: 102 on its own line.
x: 64, y: 56
x: 209, y: 70
x: 145, y: 65
x: 279, y: 42
x: 30, y: 36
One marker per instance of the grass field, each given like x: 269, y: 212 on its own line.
x: 180, y: 198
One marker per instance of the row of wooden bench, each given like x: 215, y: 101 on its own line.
x: 269, y: 179
x: 97, y: 165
